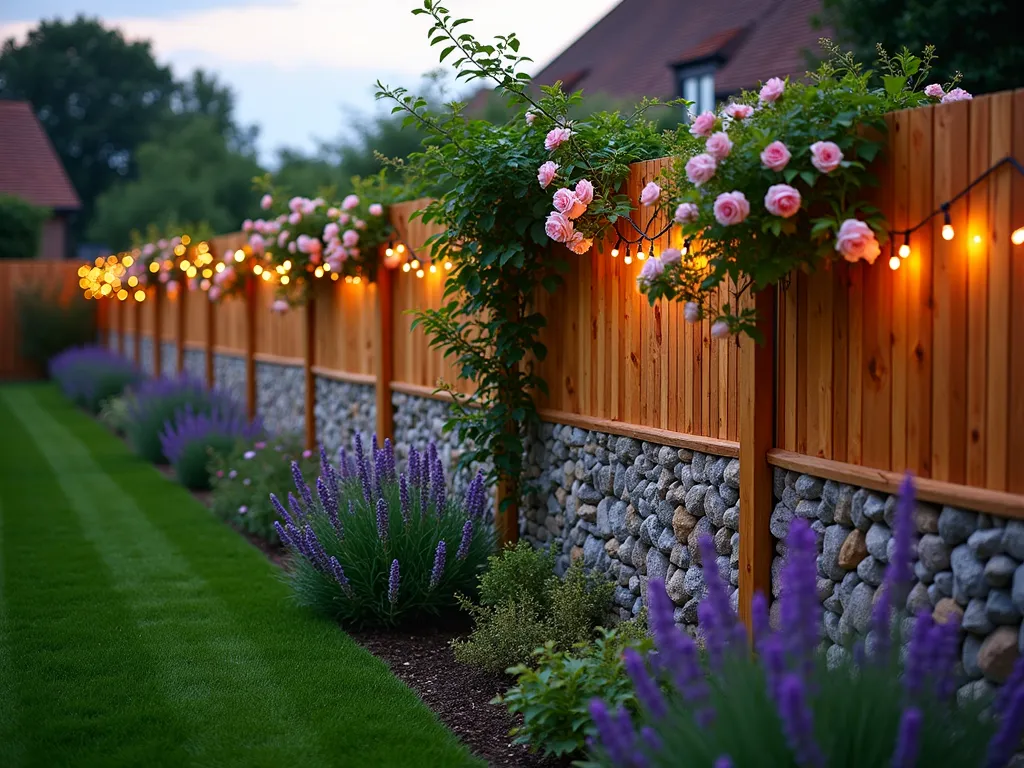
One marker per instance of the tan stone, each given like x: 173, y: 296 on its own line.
x: 561, y: 494
x: 682, y: 523
x: 587, y: 512
x: 576, y: 553
x: 998, y: 654
x: 854, y: 550
x: 612, y: 547
x: 946, y: 610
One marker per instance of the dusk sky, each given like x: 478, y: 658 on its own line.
x: 301, y: 68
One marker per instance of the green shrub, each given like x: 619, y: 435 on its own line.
x: 503, y: 635
x: 553, y: 695
x: 192, y: 440
x: 115, y: 411
x: 244, y: 478
x: 21, y: 226
x: 48, y: 326
x: 516, y: 572
x: 91, y: 375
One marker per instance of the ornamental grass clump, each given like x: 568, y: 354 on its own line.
x: 89, y: 376
x: 158, y: 401
x: 191, y: 440
x: 785, y: 706
x: 372, y: 547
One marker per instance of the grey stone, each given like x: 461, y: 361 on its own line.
x: 638, y: 605
x: 665, y: 481
x: 604, y: 480
x: 616, y: 518
x: 729, y: 494
x: 624, y: 597
x: 626, y: 550
x: 975, y: 619
x: 697, y: 467
x: 809, y: 487
x: 1017, y: 592
x: 668, y: 457
x: 922, y: 574
x: 843, y: 512
x: 723, y: 541
x: 776, y: 570
x: 731, y: 474
x: 778, y: 483
x: 874, y: 508
x: 689, y: 611
x: 714, y: 507
x: 666, y: 541
x: 619, y: 482
x: 587, y: 513
x: 933, y: 552
x: 969, y: 657
x: 859, y: 519
x: 824, y: 588
x: 651, y: 530
x: 836, y: 656
x: 832, y: 627
x: 578, y: 437
x: 828, y: 561
x: 956, y: 525
x: 871, y: 570
x: 731, y: 518
x: 999, y: 570
x: 968, y: 572
x: 722, y: 564
x: 858, y: 608
x: 588, y: 494
x: 889, y: 513
x: 594, y: 555
x: 807, y: 509
x: 676, y: 494
x: 665, y: 510
x: 789, y: 497
x: 680, y: 556
x: 918, y: 599
x: 657, y: 564
x: 833, y: 603
x: 826, y: 512
x: 626, y: 572
x: 633, y: 520
x: 703, y: 528
x: 846, y: 587
x: 632, y: 480
x: 985, y: 544
x: 1013, y: 539
x: 693, y: 582
x: 975, y: 690
x: 639, y: 556
x: 781, y: 517
x: 1000, y: 608
x: 944, y: 583
x: 695, y: 500
x: 676, y: 587
x: 877, y: 541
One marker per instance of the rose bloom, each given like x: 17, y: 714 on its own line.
x: 686, y: 213
x: 333, y: 213
x: 330, y: 231
x: 775, y: 156
x: 266, y: 201
x: 350, y: 238
x: 671, y: 256
x: 719, y: 329
x: 294, y: 218
x: 349, y: 203
x: 247, y: 225
x: 530, y: 117
x: 308, y: 206
x: 555, y: 138
x: 650, y: 194
x: 772, y: 90
x: 934, y: 90
x: 214, y: 293
x: 279, y: 305
x: 719, y: 145
x: 652, y: 268
x: 291, y: 247
x: 739, y: 111
x: 700, y: 168
x: 257, y: 242
x: 691, y: 312
x: 584, y: 191
x: 957, y: 94
x: 826, y: 156
x: 344, y: 219
x: 565, y: 201
x: 558, y: 227
x: 579, y: 244
x: 856, y: 241
x: 376, y: 209
x: 359, y: 224
x: 282, y: 237
x: 295, y: 204
x: 731, y: 208
x: 782, y: 200
x: 546, y: 173
x: 703, y: 125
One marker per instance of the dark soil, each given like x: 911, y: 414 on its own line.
x: 459, y: 694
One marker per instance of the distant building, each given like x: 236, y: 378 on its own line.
x: 31, y: 169
x: 700, y: 50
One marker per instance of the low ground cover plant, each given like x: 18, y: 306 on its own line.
x: 115, y: 411
x: 372, y: 547
x: 191, y: 441
x: 244, y: 477
x: 49, y: 323
x: 92, y: 375
x: 523, y: 605
x: 784, y: 706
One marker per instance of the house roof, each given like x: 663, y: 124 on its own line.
x: 631, y: 52
x: 29, y: 165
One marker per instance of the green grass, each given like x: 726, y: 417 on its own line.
x: 135, y: 629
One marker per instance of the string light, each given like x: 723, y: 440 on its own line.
x: 406, y: 267
x: 627, y: 259
x: 977, y: 239
x: 400, y: 248
x: 415, y: 263
x: 1017, y: 238
x: 207, y: 273
x: 357, y: 280
x: 327, y: 266
x: 433, y: 269
x: 239, y: 256
x: 127, y: 260
x: 257, y: 270
x: 894, y: 262
x: 615, y: 253
x: 284, y: 280
x: 334, y: 275
x: 220, y: 267
x: 185, y: 239
x: 318, y: 272
x: 640, y: 255
x: 154, y: 267
x: 419, y: 273
x: 266, y: 275
x: 348, y: 279
x: 447, y: 265
x: 140, y: 295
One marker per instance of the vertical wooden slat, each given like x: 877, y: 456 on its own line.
x: 384, y: 345
x: 137, y: 335
x: 308, y: 361
x: 158, y: 335
x: 122, y: 312
x: 792, y: 346
x: 179, y: 338
x: 900, y: 165
x: 840, y: 358
x: 1015, y: 478
x: 251, y: 299
x: 854, y: 398
x: 819, y: 363
x: 211, y: 340
x: 802, y: 367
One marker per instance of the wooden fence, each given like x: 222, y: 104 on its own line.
x: 865, y: 370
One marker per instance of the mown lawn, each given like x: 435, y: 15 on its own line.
x: 137, y: 630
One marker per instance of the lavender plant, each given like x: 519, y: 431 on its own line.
x: 372, y: 547
x: 91, y: 375
x: 158, y: 400
x: 784, y: 706
x: 191, y: 440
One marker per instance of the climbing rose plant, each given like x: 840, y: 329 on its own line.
x: 774, y: 181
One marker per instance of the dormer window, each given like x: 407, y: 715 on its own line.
x: 697, y: 85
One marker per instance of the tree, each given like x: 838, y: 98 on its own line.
x: 21, y: 226
x: 979, y: 38
x: 202, y: 94
x: 97, y: 95
x: 187, y: 174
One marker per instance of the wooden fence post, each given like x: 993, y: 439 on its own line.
x: 137, y: 336
x: 757, y: 428
x: 384, y: 359
x: 158, y: 328
x: 308, y: 361
x: 250, y: 346
x: 179, y: 352
x: 122, y: 311
x: 211, y: 330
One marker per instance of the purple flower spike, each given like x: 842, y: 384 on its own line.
x: 908, y: 742
x: 1013, y: 684
x: 900, y: 569
x: 380, y: 470
x: 382, y: 520
x: 677, y: 652
x: 282, y: 534
x: 413, y: 466
x: 327, y: 500
x: 647, y: 691
x: 301, y: 486
x: 438, y: 489
x: 343, y: 468
x: 724, y: 762
x: 616, y: 736
x: 328, y: 474
x: 717, y: 620
x: 281, y: 511
x: 363, y: 468
x: 760, y: 624
x: 476, y: 497
x: 438, y: 570
x: 919, y: 654
x: 403, y: 498
x: 297, y: 511
x: 389, y: 460
x: 798, y: 722
x: 393, y: 580
x: 800, y: 608
x: 1007, y: 738
x: 467, y: 539
x: 339, y: 574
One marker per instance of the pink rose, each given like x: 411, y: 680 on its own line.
x: 739, y: 111
x: 344, y: 219
x: 266, y: 201
x: 333, y: 213
x: 691, y: 312
x: 257, y: 242
x: 957, y: 94
x: 719, y: 145
x: 775, y: 156
x: 295, y: 204
x: 700, y: 168
x: 530, y: 117
x: 934, y: 90
x: 359, y: 224
x: 555, y: 138
x: 294, y: 218
x: 558, y: 227
x: 350, y: 238
x: 214, y: 293
x: 649, y: 194
x: 686, y: 213
x: 671, y: 256
x: 247, y: 225
x: 772, y: 90
x: 349, y: 203
x: 546, y: 174
x: 376, y: 209
x: 584, y: 191
x: 308, y: 206
x: 161, y: 244
x: 652, y: 268
x: 856, y: 241
x: 719, y: 329
x: 731, y: 208
x: 330, y: 231
x: 703, y: 125
x: 282, y: 237
x: 279, y: 306
x: 565, y: 201
x: 578, y: 243
x: 826, y: 156
x: 782, y: 200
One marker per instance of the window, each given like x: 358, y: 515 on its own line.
x: 697, y: 84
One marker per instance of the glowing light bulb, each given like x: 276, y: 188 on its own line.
x: 433, y: 269
x: 334, y: 275
x: 128, y: 261
x: 280, y: 269
x: 419, y: 273
x: 266, y: 276
x: 415, y: 263
x: 640, y: 255
x: 904, y: 251
x: 977, y: 239
x: 105, y: 290
x: 319, y: 272
x: 140, y: 295
x: 348, y: 279
x: 220, y: 267
x: 1017, y: 238
x: 122, y: 294
x: 185, y: 239
x: 179, y: 250
x: 257, y: 270
x: 447, y: 265
x: 357, y: 280
x: 191, y: 272
x: 207, y: 273
x: 99, y: 261
x: 406, y: 267
x: 239, y: 256
x: 287, y: 264
x: 327, y: 267
x: 947, y: 232
x: 284, y: 280
x: 628, y: 259
x: 894, y: 263
x: 615, y: 253
x: 389, y: 252
x: 133, y: 281
x: 184, y: 265
x: 400, y: 248
x: 154, y: 267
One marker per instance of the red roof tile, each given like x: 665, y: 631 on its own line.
x: 29, y: 165
x: 629, y: 52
